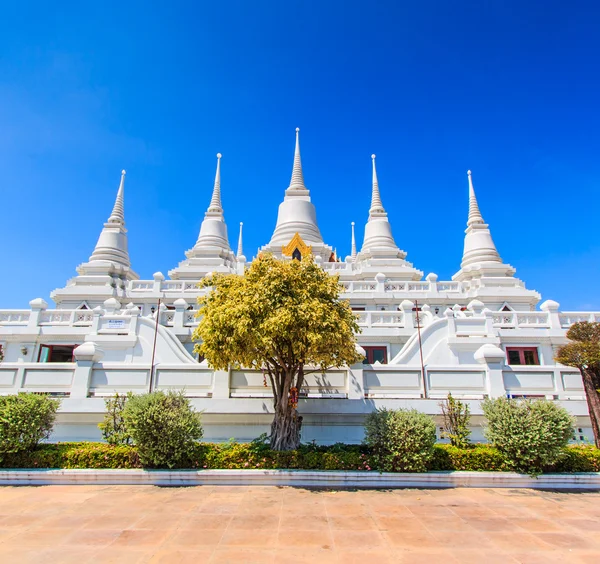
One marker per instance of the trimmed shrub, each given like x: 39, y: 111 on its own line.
x: 480, y: 458
x: 114, y: 430
x: 530, y: 434
x: 241, y: 456
x: 25, y: 420
x: 401, y: 440
x: 164, y: 428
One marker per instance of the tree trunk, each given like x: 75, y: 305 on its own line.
x: 287, y: 424
x: 285, y: 429
x: 593, y: 402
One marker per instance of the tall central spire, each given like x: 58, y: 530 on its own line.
x: 297, y: 180
x: 215, y: 201
x: 376, y: 205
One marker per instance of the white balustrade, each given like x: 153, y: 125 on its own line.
x: 14, y: 317
x: 533, y: 319
x: 56, y: 317
x: 418, y: 286
x: 142, y: 285
x: 380, y: 319
x: 395, y: 286
x: 83, y: 317
x: 449, y: 287
x: 567, y: 318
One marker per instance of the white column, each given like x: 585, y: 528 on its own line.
x: 493, y: 359
x: 85, y: 356
x: 356, y: 383
x: 221, y: 384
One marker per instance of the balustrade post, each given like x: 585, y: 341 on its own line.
x: 551, y: 308
x: 432, y: 278
x: 158, y: 280
x: 406, y: 307
x: 451, y: 322
x: 112, y: 306
x: 38, y: 306
x: 180, y: 308
x: 85, y: 357
x: 135, y: 313
x: 97, y: 312
x: 489, y: 322
x: 380, y: 280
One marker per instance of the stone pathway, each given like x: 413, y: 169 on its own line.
x: 279, y: 525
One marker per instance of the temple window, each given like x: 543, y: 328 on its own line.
x: 56, y: 353
x: 296, y: 255
x: 375, y: 354
x: 525, y: 356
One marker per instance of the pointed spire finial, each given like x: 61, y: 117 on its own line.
x: 118, y: 214
x: 353, y: 251
x: 474, y: 213
x: 215, y: 201
x: 240, y: 249
x: 297, y: 181
x: 376, y: 205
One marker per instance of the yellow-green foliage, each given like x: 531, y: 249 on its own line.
x: 207, y: 456
x: 279, y: 314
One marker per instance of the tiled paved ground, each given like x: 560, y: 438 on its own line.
x: 216, y: 524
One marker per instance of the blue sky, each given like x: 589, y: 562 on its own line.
x: 508, y: 89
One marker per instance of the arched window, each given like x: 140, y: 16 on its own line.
x: 296, y: 255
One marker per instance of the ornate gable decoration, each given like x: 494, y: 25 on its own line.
x: 296, y: 243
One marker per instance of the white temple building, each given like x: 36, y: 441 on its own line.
x: 481, y: 334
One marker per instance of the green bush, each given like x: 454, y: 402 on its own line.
x: 457, y: 418
x: 25, y: 420
x: 114, y: 430
x: 401, y: 440
x: 530, y: 434
x: 163, y: 426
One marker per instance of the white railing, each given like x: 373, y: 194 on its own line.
x: 142, y: 286
x: 514, y: 319
x: 83, y: 317
x: 419, y: 286
x: 449, y: 287
x: 380, y: 319
x: 567, y: 318
x: 14, y: 317
x: 334, y: 266
x: 533, y: 319
x: 57, y: 317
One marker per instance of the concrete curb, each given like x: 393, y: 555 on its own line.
x: 300, y: 478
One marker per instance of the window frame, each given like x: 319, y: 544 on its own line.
x: 522, y: 351
x: 370, y: 349
x: 50, y: 351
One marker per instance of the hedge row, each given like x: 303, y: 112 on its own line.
x: 308, y: 457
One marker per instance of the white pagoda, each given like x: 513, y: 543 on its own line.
x: 478, y: 335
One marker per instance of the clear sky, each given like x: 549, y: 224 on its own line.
x: 509, y: 89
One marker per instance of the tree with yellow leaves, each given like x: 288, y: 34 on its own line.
x: 583, y: 352
x: 284, y: 318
